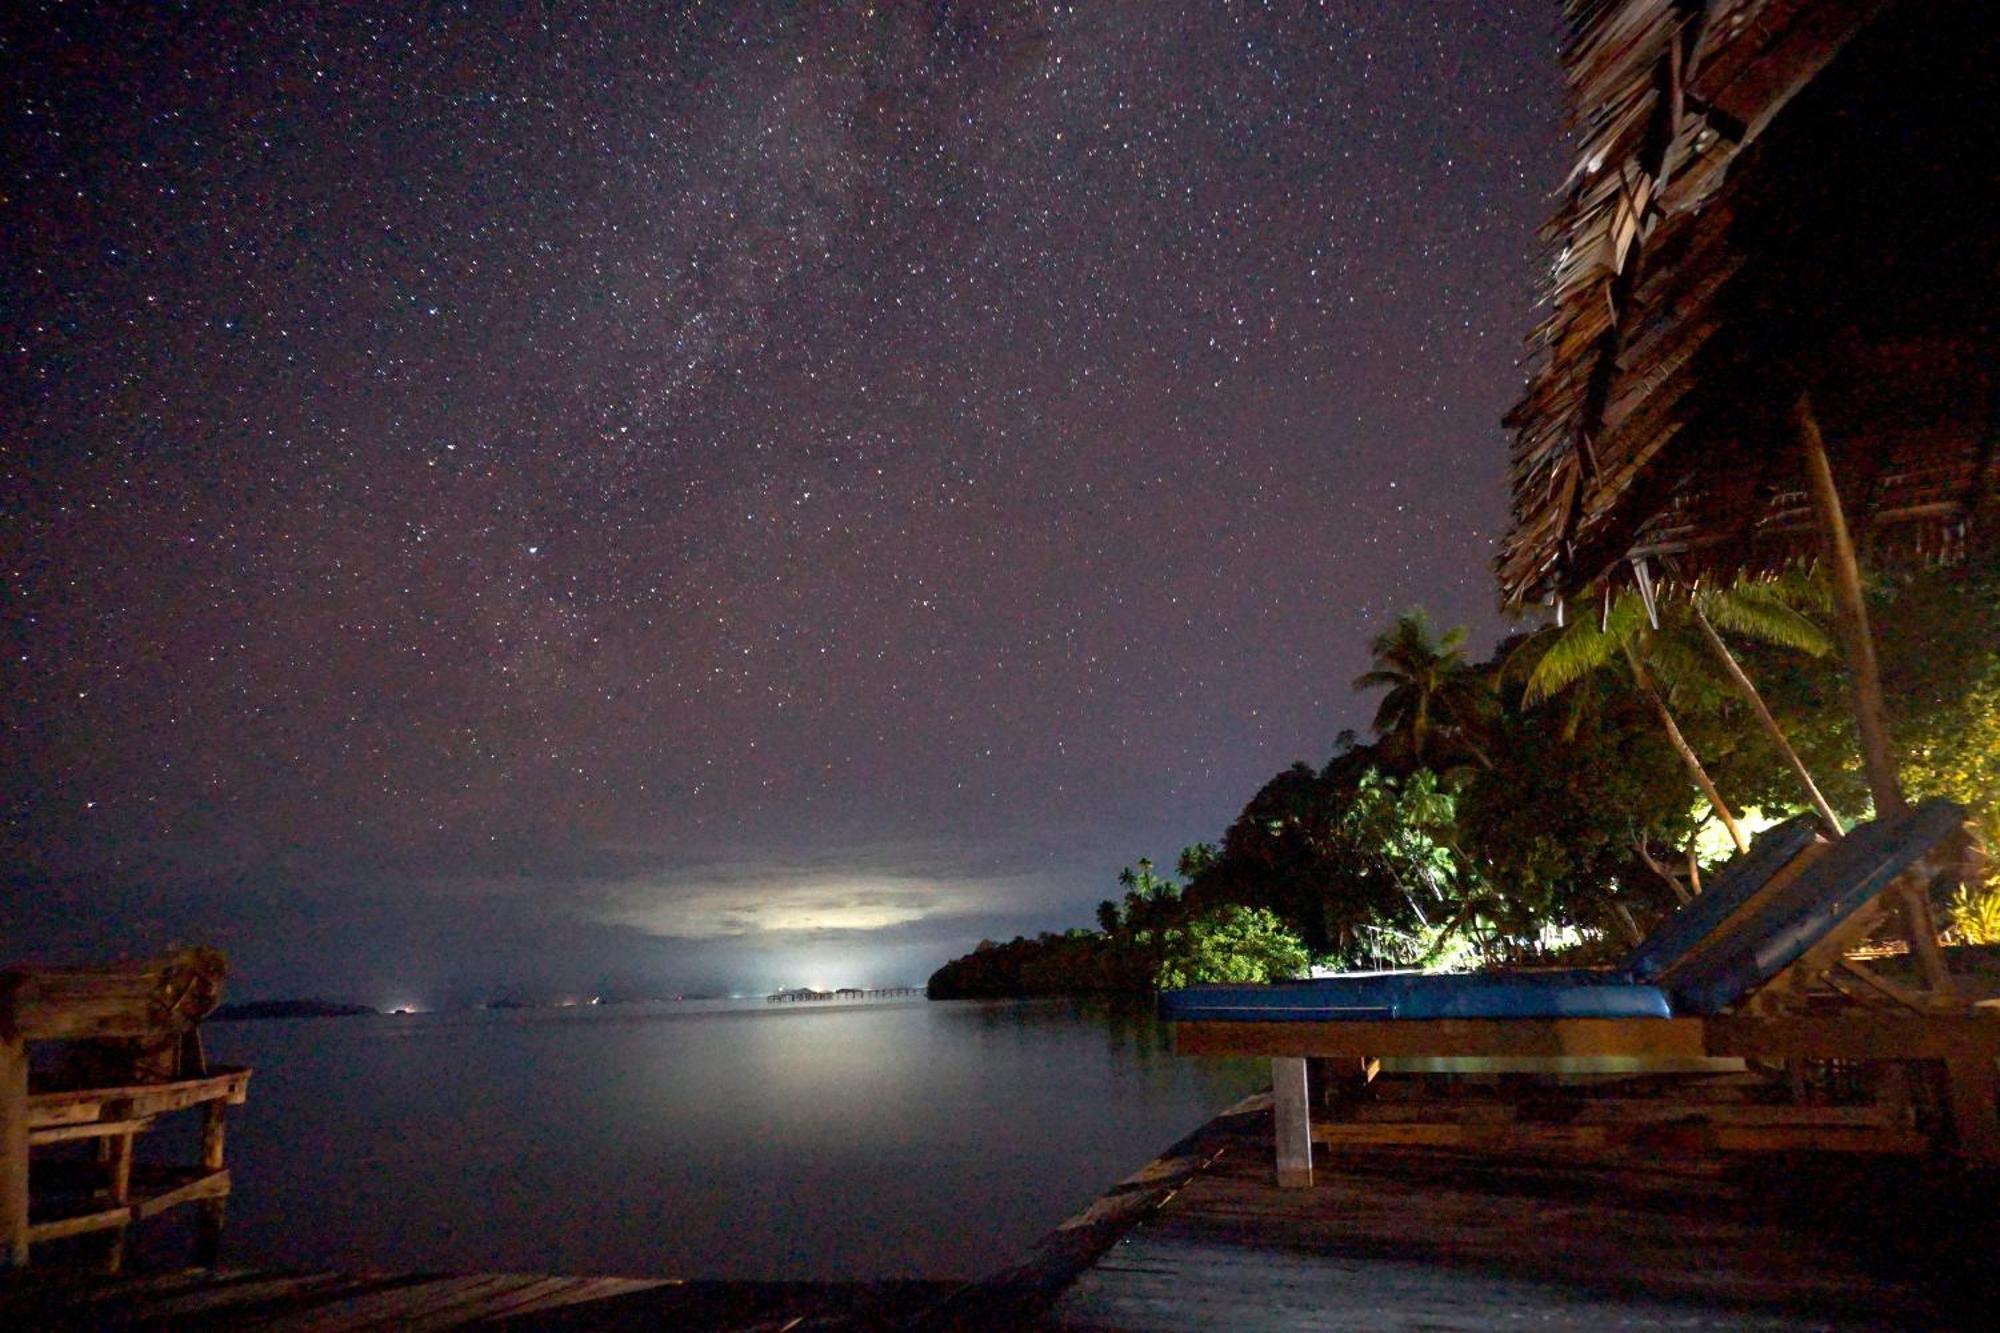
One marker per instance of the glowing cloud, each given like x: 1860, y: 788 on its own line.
x: 789, y: 903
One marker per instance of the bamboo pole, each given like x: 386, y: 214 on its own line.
x: 1748, y: 689
x: 1865, y: 679
x: 1689, y: 759
x: 1851, y: 620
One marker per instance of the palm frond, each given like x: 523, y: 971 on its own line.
x: 1519, y: 664
x: 1571, y: 655
x: 1766, y: 619
x: 1628, y: 617
x: 1396, y: 705
x: 1681, y: 665
x: 1803, y: 587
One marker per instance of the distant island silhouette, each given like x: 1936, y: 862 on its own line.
x: 252, y: 1010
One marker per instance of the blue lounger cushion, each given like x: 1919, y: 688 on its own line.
x: 1852, y: 873
x: 1675, y: 938
x: 1411, y: 995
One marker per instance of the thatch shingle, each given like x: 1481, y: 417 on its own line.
x: 1771, y: 197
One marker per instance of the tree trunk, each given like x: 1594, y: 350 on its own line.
x: 1626, y: 925
x: 1865, y: 679
x: 1671, y: 880
x: 1851, y: 619
x: 1748, y: 689
x: 1686, y: 751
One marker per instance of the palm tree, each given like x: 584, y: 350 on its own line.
x: 1436, y: 701
x: 1625, y: 637
x: 1655, y: 651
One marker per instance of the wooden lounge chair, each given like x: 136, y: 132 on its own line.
x: 127, y: 1051
x: 1824, y: 1049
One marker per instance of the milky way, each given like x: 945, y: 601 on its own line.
x: 564, y: 484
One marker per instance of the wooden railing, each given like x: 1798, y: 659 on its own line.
x: 135, y: 1055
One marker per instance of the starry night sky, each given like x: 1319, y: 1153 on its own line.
x: 722, y: 496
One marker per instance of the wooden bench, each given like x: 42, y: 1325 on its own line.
x: 125, y: 1049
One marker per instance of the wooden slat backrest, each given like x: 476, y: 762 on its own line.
x: 157, y: 997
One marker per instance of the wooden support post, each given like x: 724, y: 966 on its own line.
x: 1973, y: 1077
x: 116, y: 1154
x: 1865, y: 680
x: 1291, y: 1109
x: 209, y: 1217
x: 211, y: 1213
x: 212, y: 1113
x: 1339, y: 1081
x: 13, y: 1149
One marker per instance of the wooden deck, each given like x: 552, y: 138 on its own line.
x: 1439, y: 1239
x: 330, y: 1303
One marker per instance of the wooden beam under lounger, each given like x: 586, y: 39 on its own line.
x: 1967, y: 1048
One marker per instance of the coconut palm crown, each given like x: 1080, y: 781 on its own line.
x: 1434, y: 710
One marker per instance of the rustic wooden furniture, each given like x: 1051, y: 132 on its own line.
x: 124, y: 1048
x: 1825, y: 1054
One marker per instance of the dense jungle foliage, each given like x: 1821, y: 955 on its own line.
x: 1557, y: 798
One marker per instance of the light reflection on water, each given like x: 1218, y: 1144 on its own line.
x: 712, y: 1139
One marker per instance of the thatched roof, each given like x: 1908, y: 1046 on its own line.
x: 1770, y: 197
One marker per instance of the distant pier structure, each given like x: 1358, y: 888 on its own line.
x: 807, y: 995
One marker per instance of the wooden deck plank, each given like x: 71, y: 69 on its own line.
x: 483, y: 1306
x: 53, y: 1301
x: 1440, y: 1238
x: 396, y: 1301
x: 1172, y: 1285
x: 583, y: 1291
x: 228, y: 1296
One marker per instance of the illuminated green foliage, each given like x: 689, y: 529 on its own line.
x: 1232, y: 944
x: 1534, y: 802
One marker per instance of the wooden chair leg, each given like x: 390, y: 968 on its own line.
x: 1339, y: 1081
x: 212, y: 1212
x: 13, y: 1152
x: 1973, y: 1085
x: 117, y: 1156
x: 212, y: 1124
x: 1291, y: 1107
x: 209, y: 1216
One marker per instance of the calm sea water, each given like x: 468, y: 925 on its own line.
x: 712, y: 1140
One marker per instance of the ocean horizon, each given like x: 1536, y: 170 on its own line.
x: 720, y: 1139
